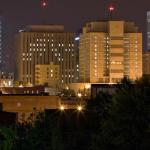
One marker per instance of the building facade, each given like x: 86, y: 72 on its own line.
x: 146, y: 63
x: 43, y: 44
x: 109, y: 51
x: 47, y: 74
x: 148, y: 30
x: 0, y: 43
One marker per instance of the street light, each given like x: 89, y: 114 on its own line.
x: 79, y: 108
x: 87, y: 86
x: 62, y: 108
x: 79, y: 95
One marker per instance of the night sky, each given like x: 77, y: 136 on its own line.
x: 72, y: 13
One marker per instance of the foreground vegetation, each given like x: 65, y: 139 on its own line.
x: 118, y: 122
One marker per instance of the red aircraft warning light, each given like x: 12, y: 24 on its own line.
x: 111, y: 8
x: 43, y: 4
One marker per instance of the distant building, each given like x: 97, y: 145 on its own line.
x: 148, y: 30
x: 47, y: 74
x: 23, y: 90
x: 109, y: 51
x: 6, y: 80
x: 146, y: 63
x: 43, y: 44
x: 28, y: 106
x: 0, y: 43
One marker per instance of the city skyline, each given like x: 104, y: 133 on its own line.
x: 71, y: 14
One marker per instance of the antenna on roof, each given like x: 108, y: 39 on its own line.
x: 44, y: 5
x: 111, y: 9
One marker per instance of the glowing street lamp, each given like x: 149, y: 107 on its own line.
x: 67, y: 88
x: 79, y: 95
x: 79, y: 108
x: 62, y: 108
x: 87, y: 86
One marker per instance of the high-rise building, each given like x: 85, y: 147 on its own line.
x: 43, y: 44
x: 0, y: 42
x: 109, y: 51
x: 148, y: 30
x: 146, y: 63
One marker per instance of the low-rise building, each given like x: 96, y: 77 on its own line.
x: 47, y: 75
